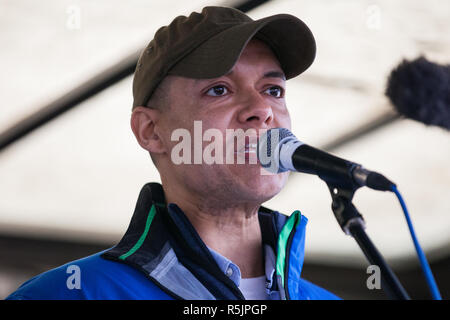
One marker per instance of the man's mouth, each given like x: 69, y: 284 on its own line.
x: 249, y: 148
x: 242, y: 148
x: 250, y: 145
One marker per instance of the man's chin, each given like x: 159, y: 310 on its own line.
x: 263, y: 185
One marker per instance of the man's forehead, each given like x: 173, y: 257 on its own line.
x: 260, y: 50
x: 261, y: 56
x: 269, y: 74
x: 270, y: 65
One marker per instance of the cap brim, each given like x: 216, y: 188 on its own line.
x: 290, y: 39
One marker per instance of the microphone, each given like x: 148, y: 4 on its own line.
x: 420, y: 90
x: 279, y: 151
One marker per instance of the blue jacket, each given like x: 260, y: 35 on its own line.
x: 161, y: 256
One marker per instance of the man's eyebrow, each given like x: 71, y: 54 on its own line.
x: 270, y: 74
x: 275, y: 74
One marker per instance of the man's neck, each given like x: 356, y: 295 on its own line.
x: 233, y: 231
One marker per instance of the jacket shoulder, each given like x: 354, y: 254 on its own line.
x: 310, y: 291
x: 89, y: 278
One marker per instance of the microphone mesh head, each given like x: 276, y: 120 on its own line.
x: 278, y: 135
x: 269, y: 148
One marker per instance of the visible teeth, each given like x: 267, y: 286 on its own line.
x: 249, y: 148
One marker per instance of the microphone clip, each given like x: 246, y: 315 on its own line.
x: 345, y: 212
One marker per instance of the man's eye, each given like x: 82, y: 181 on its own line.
x: 275, y: 91
x: 217, y: 91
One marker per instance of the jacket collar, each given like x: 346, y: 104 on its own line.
x: 159, y: 232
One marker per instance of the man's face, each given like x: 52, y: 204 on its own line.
x: 251, y: 96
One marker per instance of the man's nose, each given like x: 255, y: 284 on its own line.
x: 256, y: 110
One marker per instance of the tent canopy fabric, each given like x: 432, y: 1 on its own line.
x: 78, y: 176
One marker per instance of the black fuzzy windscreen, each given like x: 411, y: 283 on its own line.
x: 420, y: 90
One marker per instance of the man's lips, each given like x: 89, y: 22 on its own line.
x: 250, y: 146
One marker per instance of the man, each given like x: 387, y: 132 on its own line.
x: 203, y: 234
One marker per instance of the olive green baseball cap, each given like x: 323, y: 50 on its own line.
x: 207, y: 45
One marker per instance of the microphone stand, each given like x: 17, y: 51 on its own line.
x: 352, y: 223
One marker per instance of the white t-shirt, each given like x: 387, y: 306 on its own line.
x: 254, y: 288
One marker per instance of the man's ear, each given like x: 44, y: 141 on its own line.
x: 144, y: 122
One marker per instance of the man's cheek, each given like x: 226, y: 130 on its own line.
x: 284, y: 119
